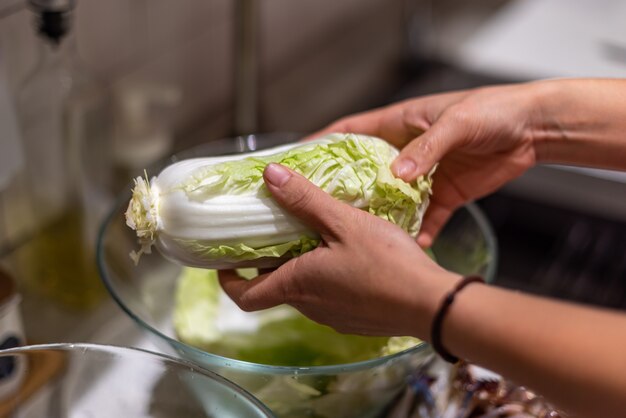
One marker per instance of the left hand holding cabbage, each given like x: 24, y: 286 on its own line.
x: 369, y: 277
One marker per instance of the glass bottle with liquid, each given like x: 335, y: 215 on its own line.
x: 62, y: 114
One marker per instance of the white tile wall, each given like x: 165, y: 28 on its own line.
x: 319, y: 58
x: 353, y: 70
x: 110, y: 36
x: 172, y: 22
x: 291, y: 29
x: 17, y: 40
x: 200, y: 66
x: 7, y: 5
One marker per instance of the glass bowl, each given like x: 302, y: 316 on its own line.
x: 360, y: 389
x: 99, y: 381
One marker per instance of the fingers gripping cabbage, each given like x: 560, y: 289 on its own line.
x: 217, y: 213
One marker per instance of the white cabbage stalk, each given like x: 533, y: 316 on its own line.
x: 216, y: 212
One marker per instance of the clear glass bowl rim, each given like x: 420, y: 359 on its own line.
x: 220, y: 361
x: 118, y: 350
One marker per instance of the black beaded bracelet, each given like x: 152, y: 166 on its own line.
x: 435, y: 333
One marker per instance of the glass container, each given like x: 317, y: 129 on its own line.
x: 360, y: 389
x: 62, y: 113
x: 99, y: 381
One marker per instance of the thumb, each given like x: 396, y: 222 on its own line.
x: 306, y: 201
x: 263, y: 292
x: 422, y: 153
x: 266, y: 290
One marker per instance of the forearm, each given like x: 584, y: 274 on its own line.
x: 571, y: 354
x: 581, y: 122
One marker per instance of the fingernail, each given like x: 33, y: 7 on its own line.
x: 404, y: 168
x: 277, y: 175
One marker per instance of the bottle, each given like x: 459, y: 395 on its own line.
x: 60, y: 107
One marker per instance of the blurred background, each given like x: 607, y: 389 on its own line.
x: 91, y: 92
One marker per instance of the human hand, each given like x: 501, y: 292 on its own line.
x: 481, y: 138
x: 367, y: 277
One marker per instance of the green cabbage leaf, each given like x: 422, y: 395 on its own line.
x: 216, y: 212
x: 206, y: 318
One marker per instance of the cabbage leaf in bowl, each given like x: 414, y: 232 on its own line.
x: 206, y: 318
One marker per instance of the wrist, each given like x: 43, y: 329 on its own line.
x: 579, y: 121
x: 428, y: 300
x: 545, y: 126
x: 436, y: 339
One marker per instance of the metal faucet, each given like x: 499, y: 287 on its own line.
x: 246, y: 67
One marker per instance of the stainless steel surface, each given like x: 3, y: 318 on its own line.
x: 594, y: 192
x: 558, y: 252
